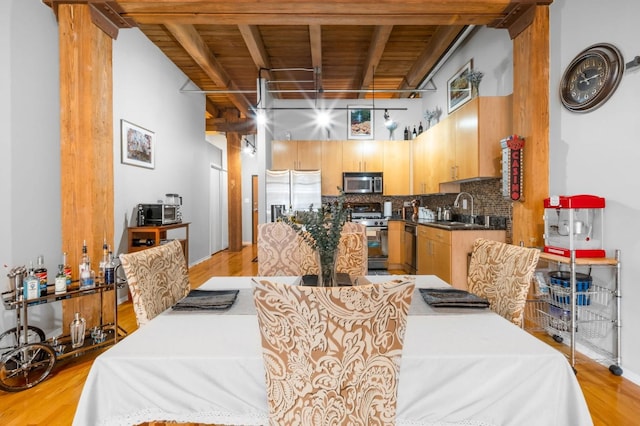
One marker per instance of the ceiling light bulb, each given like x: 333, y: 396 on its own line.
x: 323, y: 119
x: 261, y: 118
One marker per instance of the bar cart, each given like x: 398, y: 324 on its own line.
x: 578, y: 299
x: 27, y: 357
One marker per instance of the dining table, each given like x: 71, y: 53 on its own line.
x: 459, y: 366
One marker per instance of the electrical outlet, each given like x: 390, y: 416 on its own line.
x: 464, y: 204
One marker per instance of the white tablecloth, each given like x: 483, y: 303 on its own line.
x: 468, y: 367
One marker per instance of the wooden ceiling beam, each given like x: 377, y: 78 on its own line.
x: 319, y: 12
x: 243, y: 126
x: 193, y: 43
x: 438, y: 45
x: 378, y: 43
x: 255, y: 44
x: 315, y: 41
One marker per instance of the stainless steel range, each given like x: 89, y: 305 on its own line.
x: 370, y: 215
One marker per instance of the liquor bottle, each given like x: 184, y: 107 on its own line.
x: 415, y: 134
x: 406, y: 133
x: 77, y: 329
x: 420, y: 128
x: 31, y: 284
x: 61, y: 280
x: 41, y: 273
x: 66, y: 268
x: 84, y: 260
x: 103, y: 262
x: 110, y: 270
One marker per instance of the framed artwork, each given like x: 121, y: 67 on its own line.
x: 459, y: 88
x: 360, y: 122
x: 138, y: 145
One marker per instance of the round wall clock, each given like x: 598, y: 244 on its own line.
x: 591, y: 78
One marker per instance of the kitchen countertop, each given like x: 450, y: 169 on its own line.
x: 451, y: 226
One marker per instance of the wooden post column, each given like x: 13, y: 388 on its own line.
x: 234, y: 185
x: 86, y: 145
x: 531, y: 121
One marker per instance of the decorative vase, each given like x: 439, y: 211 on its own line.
x: 327, y: 277
x: 474, y: 89
x: 77, y: 329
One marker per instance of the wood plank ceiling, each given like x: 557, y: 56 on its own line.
x: 334, y: 49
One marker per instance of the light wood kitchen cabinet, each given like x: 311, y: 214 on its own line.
x: 296, y: 155
x: 419, y: 161
x: 440, y: 154
x: 362, y: 156
x: 480, y: 125
x: 397, y: 167
x: 331, y: 167
x: 395, y: 244
x: 446, y: 253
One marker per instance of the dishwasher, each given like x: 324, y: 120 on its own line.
x: 410, y: 236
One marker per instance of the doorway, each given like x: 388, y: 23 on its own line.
x: 254, y: 209
x: 218, y: 217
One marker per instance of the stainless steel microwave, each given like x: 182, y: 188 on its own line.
x: 159, y: 214
x: 362, y: 182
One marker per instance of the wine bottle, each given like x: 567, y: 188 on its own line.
x: 420, y: 128
x: 406, y: 133
x: 41, y: 273
x: 103, y: 262
x: 109, y: 271
x: 415, y: 134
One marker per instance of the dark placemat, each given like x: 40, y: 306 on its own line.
x: 198, y: 300
x: 452, y: 298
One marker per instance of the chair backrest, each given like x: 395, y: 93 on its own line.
x: 502, y: 274
x: 332, y: 351
x: 157, y: 279
x: 281, y: 251
x: 353, y: 250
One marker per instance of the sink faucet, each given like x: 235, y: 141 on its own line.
x: 456, y: 204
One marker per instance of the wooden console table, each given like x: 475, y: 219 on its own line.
x: 143, y: 237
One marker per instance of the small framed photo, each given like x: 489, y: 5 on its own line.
x: 459, y: 88
x: 360, y: 122
x: 138, y: 145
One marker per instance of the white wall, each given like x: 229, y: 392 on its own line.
x: 29, y: 146
x: 146, y: 93
x: 598, y: 152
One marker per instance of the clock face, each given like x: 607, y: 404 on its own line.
x: 591, y: 78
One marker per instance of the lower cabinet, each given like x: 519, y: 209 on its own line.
x: 396, y: 244
x: 446, y: 253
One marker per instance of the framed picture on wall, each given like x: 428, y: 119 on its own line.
x: 138, y: 145
x: 360, y: 122
x: 459, y: 88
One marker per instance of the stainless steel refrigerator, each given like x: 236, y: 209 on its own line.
x: 299, y: 189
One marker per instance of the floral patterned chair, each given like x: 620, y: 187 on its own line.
x: 502, y: 273
x: 332, y: 354
x: 157, y: 279
x: 281, y: 251
x: 352, y: 250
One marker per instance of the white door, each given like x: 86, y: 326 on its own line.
x: 218, y: 215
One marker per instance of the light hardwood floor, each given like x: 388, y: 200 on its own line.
x: 613, y: 401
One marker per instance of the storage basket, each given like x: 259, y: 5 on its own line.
x: 561, y: 287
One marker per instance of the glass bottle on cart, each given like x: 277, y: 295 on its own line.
x: 77, y: 329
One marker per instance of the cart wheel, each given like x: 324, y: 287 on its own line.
x: 11, y: 339
x: 557, y: 338
x: 26, y: 366
x: 615, y: 370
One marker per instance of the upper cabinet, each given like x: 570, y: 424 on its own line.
x: 480, y: 125
x: 397, y: 167
x: 362, y: 156
x: 296, y: 155
x: 465, y: 145
x: 331, y: 167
